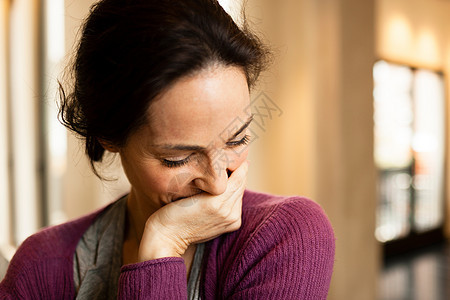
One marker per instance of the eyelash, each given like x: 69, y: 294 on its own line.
x: 244, y: 141
x: 176, y: 163
x: 179, y: 163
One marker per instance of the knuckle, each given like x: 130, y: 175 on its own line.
x: 224, y: 214
x: 235, y: 225
x: 213, y: 207
x: 238, y: 223
x: 238, y: 218
x: 233, y: 218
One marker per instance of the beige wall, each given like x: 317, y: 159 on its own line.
x: 417, y: 33
x: 5, y: 207
x: 414, y: 32
x: 24, y: 110
x: 323, y: 143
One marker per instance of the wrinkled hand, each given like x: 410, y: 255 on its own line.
x: 200, y: 218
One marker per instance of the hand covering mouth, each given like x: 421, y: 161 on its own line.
x: 183, y: 197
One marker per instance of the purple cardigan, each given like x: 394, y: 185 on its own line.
x: 283, y: 250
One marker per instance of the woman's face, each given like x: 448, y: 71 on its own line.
x: 196, y: 136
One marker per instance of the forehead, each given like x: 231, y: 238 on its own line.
x: 199, y: 108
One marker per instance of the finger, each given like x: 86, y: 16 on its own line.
x: 237, y: 205
x: 238, y: 178
x: 235, y: 200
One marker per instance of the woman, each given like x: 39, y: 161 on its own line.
x: 165, y: 85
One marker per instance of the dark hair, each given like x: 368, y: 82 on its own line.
x: 131, y: 50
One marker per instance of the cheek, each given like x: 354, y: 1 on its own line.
x: 164, y: 181
x: 147, y: 177
x: 237, y: 157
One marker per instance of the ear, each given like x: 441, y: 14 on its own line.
x: 108, y: 146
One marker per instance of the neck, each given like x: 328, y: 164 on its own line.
x: 138, y: 211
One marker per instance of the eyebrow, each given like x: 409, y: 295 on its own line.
x: 201, y: 148
x: 243, y: 127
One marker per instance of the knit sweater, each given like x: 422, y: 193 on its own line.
x: 283, y: 250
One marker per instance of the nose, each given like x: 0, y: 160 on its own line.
x: 212, y: 177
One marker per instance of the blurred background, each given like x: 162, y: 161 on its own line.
x: 353, y: 113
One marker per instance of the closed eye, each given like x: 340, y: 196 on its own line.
x: 244, y: 141
x: 176, y: 163
x: 179, y: 163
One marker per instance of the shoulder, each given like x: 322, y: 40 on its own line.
x: 293, y: 214
x: 284, y: 249
x: 288, y: 225
x: 57, y: 240
x: 285, y: 224
x: 53, y: 245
